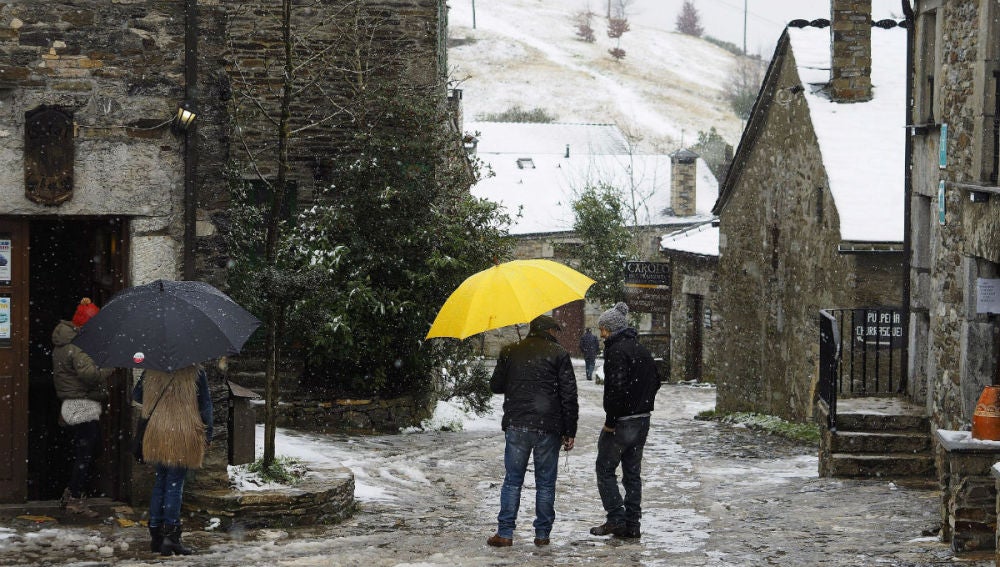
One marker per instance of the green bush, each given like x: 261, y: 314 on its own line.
x: 282, y: 470
x: 804, y: 432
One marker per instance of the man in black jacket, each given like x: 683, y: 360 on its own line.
x: 630, y: 384
x: 539, y: 414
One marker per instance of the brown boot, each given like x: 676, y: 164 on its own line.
x: 496, y: 541
x: 541, y: 541
x: 78, y: 506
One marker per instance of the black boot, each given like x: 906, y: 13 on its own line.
x: 155, y: 538
x: 172, y: 542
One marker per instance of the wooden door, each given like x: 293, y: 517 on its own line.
x: 13, y: 359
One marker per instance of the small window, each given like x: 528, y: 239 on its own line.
x: 819, y: 204
x: 525, y: 163
x: 995, y: 169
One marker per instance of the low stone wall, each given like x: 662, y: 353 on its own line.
x: 354, y: 415
x: 323, y: 496
x: 968, y: 490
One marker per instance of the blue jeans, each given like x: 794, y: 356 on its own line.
x: 165, y: 501
x: 590, y: 362
x: 623, y: 447
x: 521, y: 444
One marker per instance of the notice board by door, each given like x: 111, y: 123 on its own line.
x: 13, y: 359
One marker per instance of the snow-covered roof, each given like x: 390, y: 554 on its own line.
x: 862, y: 143
x: 702, y: 239
x: 533, y: 176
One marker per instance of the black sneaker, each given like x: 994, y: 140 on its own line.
x: 606, y: 529
x: 627, y: 532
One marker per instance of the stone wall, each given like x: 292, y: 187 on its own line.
x: 952, y: 347
x: 358, y: 416
x: 694, y: 275
x: 780, y: 265
x: 117, y: 68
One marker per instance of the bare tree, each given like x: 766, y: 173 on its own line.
x: 744, y: 84
x: 584, y: 26
x: 689, y: 21
x: 617, y: 26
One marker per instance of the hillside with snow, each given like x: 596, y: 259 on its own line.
x: 526, y: 53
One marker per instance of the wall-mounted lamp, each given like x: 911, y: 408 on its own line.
x: 186, y: 113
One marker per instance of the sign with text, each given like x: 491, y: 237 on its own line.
x: 987, y: 295
x: 880, y: 327
x: 5, y: 260
x: 647, y: 287
x: 4, y: 321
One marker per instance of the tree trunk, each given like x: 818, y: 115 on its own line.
x: 278, y: 192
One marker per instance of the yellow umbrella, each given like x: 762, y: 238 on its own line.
x: 507, y: 294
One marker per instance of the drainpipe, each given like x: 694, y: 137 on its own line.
x: 907, y: 193
x: 190, y: 139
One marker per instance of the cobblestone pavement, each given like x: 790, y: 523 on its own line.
x: 714, y: 495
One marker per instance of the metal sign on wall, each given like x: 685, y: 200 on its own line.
x: 48, y: 156
x: 882, y: 327
x: 647, y: 287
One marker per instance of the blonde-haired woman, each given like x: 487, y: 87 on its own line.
x: 179, y: 408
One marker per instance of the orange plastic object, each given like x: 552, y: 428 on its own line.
x: 986, y: 419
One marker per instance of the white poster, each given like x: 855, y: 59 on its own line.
x: 5, y: 260
x: 987, y: 295
x: 4, y: 318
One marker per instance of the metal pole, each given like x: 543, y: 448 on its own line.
x: 473, y: 14
x: 190, y: 140
x: 744, y: 27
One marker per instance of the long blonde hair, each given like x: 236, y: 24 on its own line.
x: 175, y: 435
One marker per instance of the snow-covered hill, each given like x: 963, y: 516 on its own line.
x: 526, y: 53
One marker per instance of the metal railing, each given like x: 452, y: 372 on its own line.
x: 861, y: 354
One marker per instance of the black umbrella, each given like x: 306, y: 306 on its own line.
x: 166, y: 325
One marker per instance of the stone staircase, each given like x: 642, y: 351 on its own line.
x: 884, y: 438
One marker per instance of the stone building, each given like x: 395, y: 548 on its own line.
x: 101, y: 188
x: 954, y: 206
x: 811, y: 211
x: 538, y: 169
x: 695, y: 346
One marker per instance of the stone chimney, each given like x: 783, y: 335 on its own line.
x: 851, y: 50
x: 683, y: 173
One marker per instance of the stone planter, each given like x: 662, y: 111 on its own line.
x: 323, y: 496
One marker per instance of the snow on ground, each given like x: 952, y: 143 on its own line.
x: 522, y: 52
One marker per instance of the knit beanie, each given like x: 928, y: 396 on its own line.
x: 84, y: 312
x: 614, y: 319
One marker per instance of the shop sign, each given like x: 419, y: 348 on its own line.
x: 647, y: 287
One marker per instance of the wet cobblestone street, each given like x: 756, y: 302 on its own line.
x: 714, y: 495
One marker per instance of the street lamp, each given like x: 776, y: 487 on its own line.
x: 186, y: 114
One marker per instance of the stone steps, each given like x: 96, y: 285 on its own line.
x: 881, y: 442
x: 890, y: 465
x: 879, y: 438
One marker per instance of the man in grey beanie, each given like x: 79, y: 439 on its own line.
x: 630, y: 385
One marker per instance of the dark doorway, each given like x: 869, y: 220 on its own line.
x: 570, y: 317
x: 695, y: 305
x: 69, y: 259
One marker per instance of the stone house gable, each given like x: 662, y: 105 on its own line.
x: 783, y: 253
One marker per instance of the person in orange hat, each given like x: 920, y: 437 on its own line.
x: 83, y: 390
